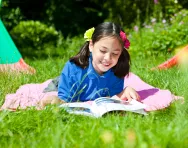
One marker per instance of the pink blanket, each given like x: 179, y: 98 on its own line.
x: 26, y: 96
x: 153, y: 98
x: 30, y: 95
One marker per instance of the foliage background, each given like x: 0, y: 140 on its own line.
x: 43, y: 28
x: 50, y: 31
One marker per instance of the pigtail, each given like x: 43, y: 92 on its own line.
x: 82, y: 58
x: 122, y: 68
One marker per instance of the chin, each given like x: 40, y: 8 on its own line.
x: 104, y: 69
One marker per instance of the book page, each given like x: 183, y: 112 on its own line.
x: 81, y: 108
x: 81, y: 112
x: 103, y: 100
x: 105, y: 105
x: 76, y: 104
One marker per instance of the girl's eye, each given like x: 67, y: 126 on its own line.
x: 114, y: 54
x: 102, y: 51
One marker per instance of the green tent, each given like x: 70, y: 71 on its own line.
x: 8, y: 51
x: 10, y: 57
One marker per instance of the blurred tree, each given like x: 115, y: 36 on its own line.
x: 129, y: 12
x: 31, y: 9
x: 71, y: 17
x: 10, y: 15
x: 74, y: 16
x: 183, y: 3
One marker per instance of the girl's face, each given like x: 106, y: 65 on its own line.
x: 105, y: 53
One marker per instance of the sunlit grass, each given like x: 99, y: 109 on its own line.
x: 53, y: 127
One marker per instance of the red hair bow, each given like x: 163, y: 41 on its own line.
x: 125, y: 40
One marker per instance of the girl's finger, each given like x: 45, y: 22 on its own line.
x: 138, y: 97
x: 133, y: 95
x: 129, y: 98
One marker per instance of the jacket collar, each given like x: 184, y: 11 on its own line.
x: 91, y: 72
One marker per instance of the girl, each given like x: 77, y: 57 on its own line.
x: 98, y: 70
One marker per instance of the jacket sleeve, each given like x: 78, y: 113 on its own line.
x: 67, y: 83
x: 117, y: 87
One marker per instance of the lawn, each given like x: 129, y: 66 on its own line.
x: 53, y: 127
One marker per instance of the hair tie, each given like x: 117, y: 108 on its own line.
x: 88, y: 34
x: 125, y: 40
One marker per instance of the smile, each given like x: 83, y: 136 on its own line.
x: 106, y: 64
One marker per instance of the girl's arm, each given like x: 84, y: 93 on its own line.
x: 127, y: 93
x: 67, y: 83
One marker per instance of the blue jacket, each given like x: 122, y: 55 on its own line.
x: 78, y: 84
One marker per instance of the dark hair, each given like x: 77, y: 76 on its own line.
x: 121, y: 69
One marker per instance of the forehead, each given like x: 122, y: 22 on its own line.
x: 109, y: 42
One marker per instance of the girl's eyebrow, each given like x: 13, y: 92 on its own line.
x: 104, y: 47
x: 114, y: 50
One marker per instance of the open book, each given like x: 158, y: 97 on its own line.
x: 103, y: 105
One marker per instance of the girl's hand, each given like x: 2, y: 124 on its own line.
x: 128, y: 94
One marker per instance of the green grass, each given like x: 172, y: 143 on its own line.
x: 53, y: 127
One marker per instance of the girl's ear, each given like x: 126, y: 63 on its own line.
x: 90, y: 45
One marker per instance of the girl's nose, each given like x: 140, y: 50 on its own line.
x: 107, y: 56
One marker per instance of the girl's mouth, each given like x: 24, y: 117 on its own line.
x: 106, y: 64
